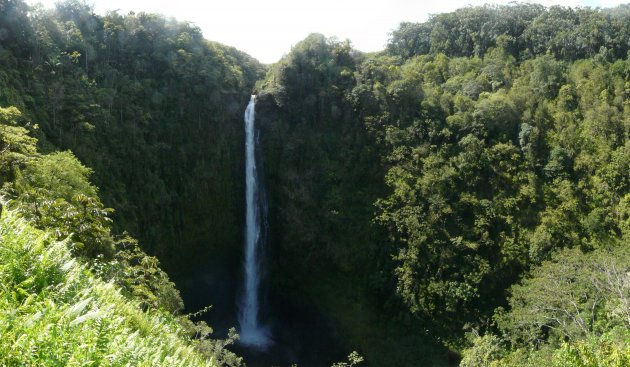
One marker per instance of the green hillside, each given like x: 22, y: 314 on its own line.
x: 55, y: 312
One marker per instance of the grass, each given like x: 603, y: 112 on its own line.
x: 55, y: 312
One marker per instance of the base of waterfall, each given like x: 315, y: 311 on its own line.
x: 256, y: 337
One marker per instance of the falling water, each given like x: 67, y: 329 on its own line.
x: 251, y: 332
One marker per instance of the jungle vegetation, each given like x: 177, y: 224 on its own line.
x: 462, y: 197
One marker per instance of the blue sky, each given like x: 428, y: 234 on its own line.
x: 267, y: 29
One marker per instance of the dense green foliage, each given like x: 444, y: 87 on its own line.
x: 53, y: 191
x: 572, y: 310
x: 149, y: 105
x: 484, y: 186
x: 55, y: 312
x: 322, y: 176
x: 311, y: 155
x: 74, y: 261
x: 523, y: 30
x: 155, y: 112
x: 499, y: 144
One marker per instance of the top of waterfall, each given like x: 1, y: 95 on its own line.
x: 253, y: 97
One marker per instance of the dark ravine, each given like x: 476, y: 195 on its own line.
x: 302, y: 335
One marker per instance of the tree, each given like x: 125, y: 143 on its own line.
x: 569, y: 297
x: 16, y: 146
x: 54, y: 191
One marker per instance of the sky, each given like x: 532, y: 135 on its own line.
x: 267, y: 29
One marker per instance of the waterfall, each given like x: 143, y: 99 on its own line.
x: 251, y: 331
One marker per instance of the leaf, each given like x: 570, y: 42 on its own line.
x: 88, y: 316
x: 78, y: 307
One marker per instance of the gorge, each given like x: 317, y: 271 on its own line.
x: 462, y: 195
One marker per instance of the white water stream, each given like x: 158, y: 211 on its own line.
x: 251, y: 331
